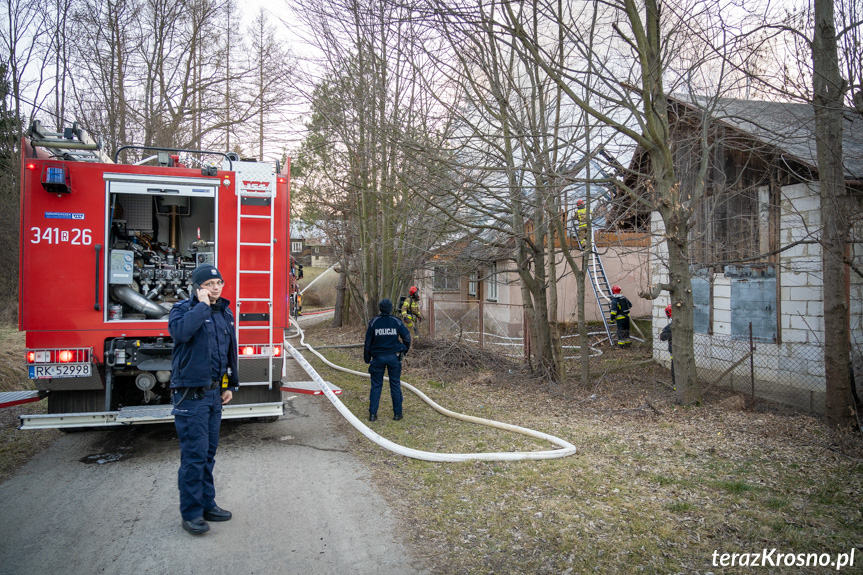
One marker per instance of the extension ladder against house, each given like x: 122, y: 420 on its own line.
x: 601, y: 288
x: 246, y: 198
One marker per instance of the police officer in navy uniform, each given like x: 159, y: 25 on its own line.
x: 203, y: 378
x: 383, y: 350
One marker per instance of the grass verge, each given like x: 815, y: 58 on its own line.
x: 17, y: 447
x: 654, y: 488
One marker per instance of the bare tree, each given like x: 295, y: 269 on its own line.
x: 836, y: 205
x: 365, y: 113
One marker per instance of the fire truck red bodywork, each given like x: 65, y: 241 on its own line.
x: 67, y: 244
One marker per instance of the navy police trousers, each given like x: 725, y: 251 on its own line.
x: 376, y: 370
x: 197, y: 422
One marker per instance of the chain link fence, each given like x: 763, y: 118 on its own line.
x: 790, y: 374
x: 489, y: 325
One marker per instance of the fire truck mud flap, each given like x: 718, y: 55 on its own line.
x: 141, y: 414
x: 10, y: 398
x: 308, y: 387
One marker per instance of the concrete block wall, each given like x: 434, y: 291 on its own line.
x: 797, y: 362
x: 800, y: 282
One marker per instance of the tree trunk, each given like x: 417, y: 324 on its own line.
x: 829, y: 91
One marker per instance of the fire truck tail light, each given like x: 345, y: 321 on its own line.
x: 80, y: 355
x: 258, y: 350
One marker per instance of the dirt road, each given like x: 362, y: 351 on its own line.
x: 106, y: 502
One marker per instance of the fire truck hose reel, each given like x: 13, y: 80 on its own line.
x: 567, y: 448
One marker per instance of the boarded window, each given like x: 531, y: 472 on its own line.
x: 701, y: 305
x: 753, y: 300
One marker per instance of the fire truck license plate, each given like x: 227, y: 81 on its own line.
x: 71, y: 370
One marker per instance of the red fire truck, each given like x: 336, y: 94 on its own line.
x: 108, y: 248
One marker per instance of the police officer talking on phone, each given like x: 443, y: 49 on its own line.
x: 203, y: 378
x: 383, y: 350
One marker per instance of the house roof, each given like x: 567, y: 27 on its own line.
x: 786, y: 126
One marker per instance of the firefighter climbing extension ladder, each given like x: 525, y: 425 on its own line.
x: 601, y: 288
x: 255, y: 189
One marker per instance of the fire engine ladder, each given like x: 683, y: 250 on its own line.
x: 255, y: 198
x: 601, y: 288
x: 72, y: 144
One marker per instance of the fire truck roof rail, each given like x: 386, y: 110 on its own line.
x: 72, y: 144
x: 152, y: 148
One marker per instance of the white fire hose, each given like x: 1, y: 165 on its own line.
x: 567, y: 448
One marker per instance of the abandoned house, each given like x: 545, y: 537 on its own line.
x: 756, y: 260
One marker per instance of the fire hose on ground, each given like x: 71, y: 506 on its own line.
x: 566, y: 447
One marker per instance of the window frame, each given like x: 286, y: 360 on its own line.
x: 472, y: 281
x: 492, y: 283
x: 449, y: 275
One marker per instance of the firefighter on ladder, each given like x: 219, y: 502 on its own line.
x: 620, y: 306
x: 581, y: 220
x: 410, y: 310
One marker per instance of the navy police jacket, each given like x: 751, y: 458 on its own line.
x: 382, y: 337
x: 205, y: 344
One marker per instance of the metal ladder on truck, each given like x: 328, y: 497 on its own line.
x: 73, y: 144
x: 246, y: 198
x: 601, y: 288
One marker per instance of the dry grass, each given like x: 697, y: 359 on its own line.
x: 654, y: 487
x: 17, y: 447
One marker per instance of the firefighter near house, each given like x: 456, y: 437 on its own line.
x: 620, y: 307
x: 410, y: 309
x: 107, y: 249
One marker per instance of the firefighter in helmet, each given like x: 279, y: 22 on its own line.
x: 620, y: 306
x: 410, y: 309
x: 666, y: 336
x: 581, y: 219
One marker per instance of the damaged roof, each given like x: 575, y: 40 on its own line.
x: 786, y: 126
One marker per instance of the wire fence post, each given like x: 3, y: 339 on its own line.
x: 431, y: 317
x: 752, y: 363
x: 481, y: 323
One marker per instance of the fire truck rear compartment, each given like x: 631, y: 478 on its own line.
x: 156, y: 238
